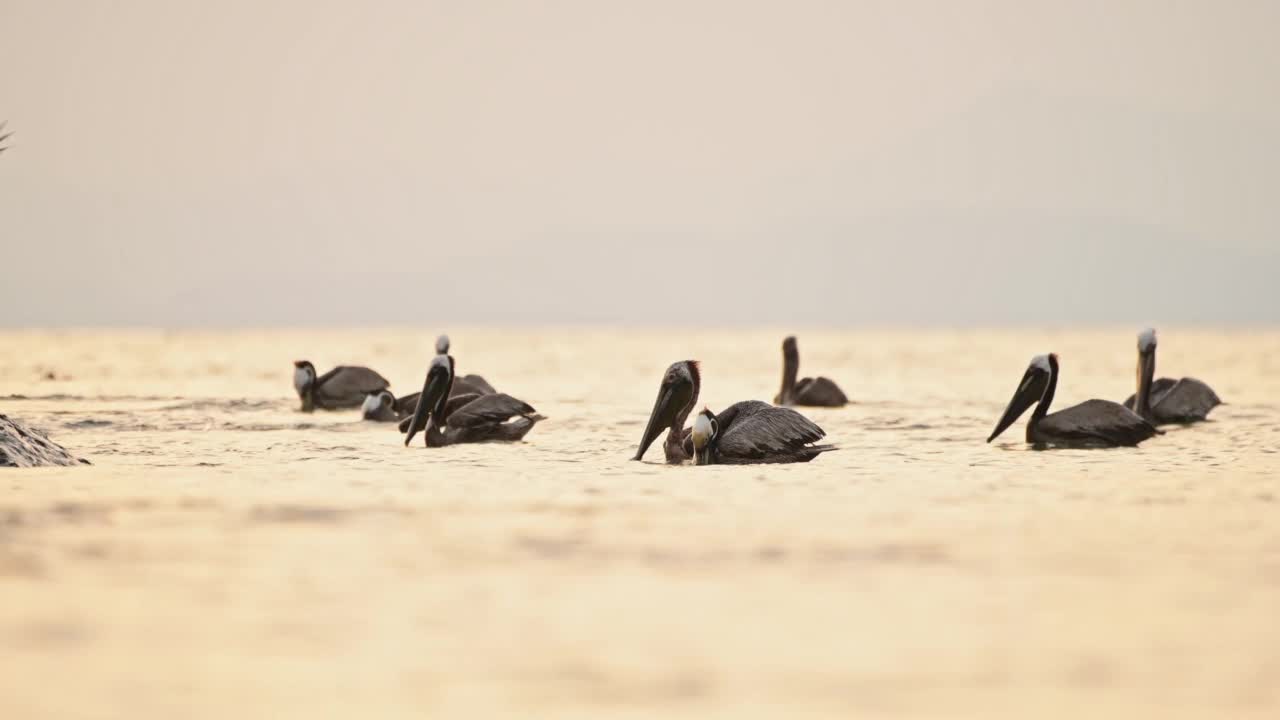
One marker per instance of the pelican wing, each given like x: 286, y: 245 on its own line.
x: 1097, y: 422
x: 457, y: 401
x: 347, y: 386
x: 1187, y: 400
x: 819, y: 392
x: 459, y: 397
x: 487, y: 410
x: 473, y: 384
x: 406, y: 406
x: 755, y: 430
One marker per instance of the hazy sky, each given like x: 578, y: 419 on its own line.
x: 280, y: 162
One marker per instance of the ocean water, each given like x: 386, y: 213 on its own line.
x: 226, y: 555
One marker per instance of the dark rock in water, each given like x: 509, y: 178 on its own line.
x: 22, y: 446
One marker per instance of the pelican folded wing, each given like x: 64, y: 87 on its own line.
x: 488, y: 410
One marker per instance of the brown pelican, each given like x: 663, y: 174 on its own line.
x: 1166, y: 400
x: 755, y: 432
x: 815, y: 392
x: 1091, y: 424
x: 470, y: 418
x: 748, y: 432
x: 342, y: 387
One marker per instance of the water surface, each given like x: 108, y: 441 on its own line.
x: 226, y: 554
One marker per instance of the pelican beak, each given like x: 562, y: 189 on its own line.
x: 664, y: 412
x: 1146, y: 366
x: 433, y: 391
x: 1027, y: 394
x: 1146, y: 376
x: 704, y: 431
x: 702, y: 455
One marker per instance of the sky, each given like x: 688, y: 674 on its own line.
x: 713, y: 162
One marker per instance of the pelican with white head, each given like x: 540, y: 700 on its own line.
x: 345, y: 386
x: 1167, y: 400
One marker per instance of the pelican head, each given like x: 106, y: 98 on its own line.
x: 1030, y: 390
x: 304, y: 375
x: 1147, y: 340
x: 378, y: 405
x: 705, y: 430
x: 304, y: 381
x: 442, y: 345
x: 676, y: 396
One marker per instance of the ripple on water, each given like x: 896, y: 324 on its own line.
x: 234, y: 404
x: 87, y: 423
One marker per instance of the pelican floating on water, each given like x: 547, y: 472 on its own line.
x: 746, y: 432
x: 1091, y: 424
x: 1166, y: 401
x: 814, y: 392
x: 345, y: 386
x: 470, y: 418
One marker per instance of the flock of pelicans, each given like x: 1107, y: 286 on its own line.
x: 451, y: 410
